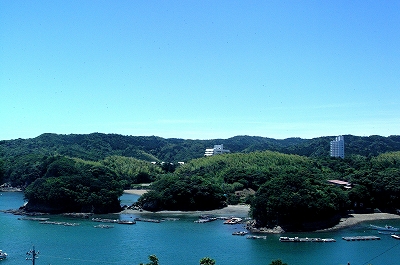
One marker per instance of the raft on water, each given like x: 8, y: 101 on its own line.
x: 360, y: 238
x: 305, y: 239
x: 256, y: 237
x: 103, y: 226
x: 147, y: 220
x: 59, y: 223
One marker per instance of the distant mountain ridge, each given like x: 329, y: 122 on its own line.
x: 96, y: 146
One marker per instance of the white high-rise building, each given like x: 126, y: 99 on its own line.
x: 337, y: 147
x: 218, y: 149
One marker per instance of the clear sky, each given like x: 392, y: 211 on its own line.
x: 200, y: 69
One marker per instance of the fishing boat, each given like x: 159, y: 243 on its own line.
x: 239, y: 233
x: 233, y: 220
x: 395, y: 236
x: 3, y: 255
x: 387, y: 232
x: 385, y: 228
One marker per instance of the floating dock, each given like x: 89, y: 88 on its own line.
x: 360, y: 238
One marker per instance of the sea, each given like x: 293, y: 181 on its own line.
x: 177, y: 240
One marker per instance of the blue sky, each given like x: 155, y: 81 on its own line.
x: 200, y: 69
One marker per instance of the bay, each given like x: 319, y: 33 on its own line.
x: 178, y: 242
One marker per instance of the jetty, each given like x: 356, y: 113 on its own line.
x: 360, y: 238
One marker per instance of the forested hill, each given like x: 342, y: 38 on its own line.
x: 97, y: 146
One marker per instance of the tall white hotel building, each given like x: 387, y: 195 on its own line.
x: 337, y: 147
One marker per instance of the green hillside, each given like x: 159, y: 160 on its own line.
x: 284, y: 181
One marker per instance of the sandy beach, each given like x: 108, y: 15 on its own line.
x: 230, y: 210
x: 353, y: 219
x: 136, y: 192
x: 243, y: 211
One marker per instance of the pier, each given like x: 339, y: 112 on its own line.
x: 360, y: 238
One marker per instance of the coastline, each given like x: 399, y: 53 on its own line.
x: 231, y: 210
x: 356, y: 218
x: 243, y: 211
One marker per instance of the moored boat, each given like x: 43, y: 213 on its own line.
x: 233, y: 220
x: 3, y: 255
x: 240, y: 233
x: 395, y: 236
x: 385, y: 228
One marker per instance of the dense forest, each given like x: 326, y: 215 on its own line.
x: 284, y: 181
x: 97, y: 146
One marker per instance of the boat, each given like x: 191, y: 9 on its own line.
x: 234, y: 220
x: 385, y: 228
x: 240, y: 233
x: 126, y: 222
x: 387, y: 232
x: 395, y: 236
x: 3, y: 255
x: 207, y: 220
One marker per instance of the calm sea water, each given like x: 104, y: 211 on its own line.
x: 181, y: 242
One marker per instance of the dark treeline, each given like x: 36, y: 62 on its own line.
x: 97, y: 146
x: 287, y: 186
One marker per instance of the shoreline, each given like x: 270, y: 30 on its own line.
x: 357, y: 218
x: 243, y: 211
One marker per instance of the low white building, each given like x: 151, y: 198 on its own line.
x: 217, y: 150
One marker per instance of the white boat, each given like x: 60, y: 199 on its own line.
x: 240, y: 233
x: 385, y: 228
x: 233, y: 220
x: 3, y: 255
x: 395, y: 236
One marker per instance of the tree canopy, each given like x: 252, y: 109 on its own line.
x: 70, y: 185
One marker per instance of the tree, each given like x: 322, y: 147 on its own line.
x: 153, y: 260
x: 277, y: 262
x: 207, y: 261
x: 1, y: 171
x: 297, y: 202
x: 73, y: 185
